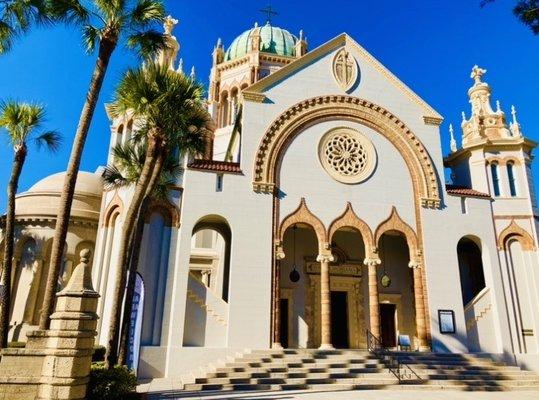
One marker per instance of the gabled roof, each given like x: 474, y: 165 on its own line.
x: 465, y: 191
x: 255, y: 91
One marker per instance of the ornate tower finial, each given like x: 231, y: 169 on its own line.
x: 514, y: 127
x: 169, y: 24
x: 193, y: 72
x: 301, y: 34
x: 463, y: 117
x: 514, y: 114
x: 498, y: 106
x: 452, y: 142
x: 477, y: 74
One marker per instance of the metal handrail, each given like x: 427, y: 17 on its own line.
x: 402, y: 370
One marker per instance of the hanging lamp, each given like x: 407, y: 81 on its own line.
x: 385, y: 279
x: 294, y: 274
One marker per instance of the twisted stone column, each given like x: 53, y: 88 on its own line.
x: 325, y: 301
x: 374, y: 306
x: 420, y: 319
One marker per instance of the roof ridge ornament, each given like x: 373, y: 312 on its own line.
x: 477, y: 74
x: 452, y: 142
x: 169, y: 24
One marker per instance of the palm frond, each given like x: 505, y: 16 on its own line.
x: 90, y: 37
x: 50, y: 139
x: 146, y: 43
x: 68, y: 11
x: 146, y: 12
x: 7, y: 34
x: 110, y: 8
x: 113, y: 178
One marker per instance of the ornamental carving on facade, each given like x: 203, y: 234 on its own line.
x: 347, y: 155
x: 345, y: 69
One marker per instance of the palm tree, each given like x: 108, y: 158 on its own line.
x: 22, y: 123
x: 104, y: 23
x: 527, y: 12
x: 125, y: 171
x: 16, y: 16
x: 172, y: 116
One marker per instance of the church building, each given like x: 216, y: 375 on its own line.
x: 320, y: 217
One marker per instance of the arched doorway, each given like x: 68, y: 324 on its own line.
x: 206, y: 314
x: 472, y: 278
x: 395, y: 280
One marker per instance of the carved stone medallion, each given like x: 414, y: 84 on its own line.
x: 347, y: 155
x: 345, y: 69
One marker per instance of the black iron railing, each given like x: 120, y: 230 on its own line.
x: 402, y: 371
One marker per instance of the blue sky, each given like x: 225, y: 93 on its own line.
x: 429, y: 44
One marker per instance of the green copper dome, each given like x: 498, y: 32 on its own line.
x: 272, y: 40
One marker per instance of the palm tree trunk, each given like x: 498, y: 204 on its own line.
x: 130, y: 292
x: 5, y: 301
x: 155, y: 146
x: 106, y: 49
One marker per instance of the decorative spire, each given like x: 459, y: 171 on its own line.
x: 452, y: 142
x: 463, y: 117
x: 193, y: 72
x: 219, y: 43
x: 498, y: 107
x: 270, y: 13
x: 477, y: 74
x: 514, y: 127
x: 301, y: 34
x: 180, y: 66
x: 169, y: 25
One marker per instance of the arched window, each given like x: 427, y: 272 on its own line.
x: 119, y: 135
x: 511, y: 178
x: 495, y: 179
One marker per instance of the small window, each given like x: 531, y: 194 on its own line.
x: 463, y: 205
x: 219, y: 183
x: 495, y: 179
x: 511, y: 177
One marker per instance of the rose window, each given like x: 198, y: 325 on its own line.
x: 347, y: 155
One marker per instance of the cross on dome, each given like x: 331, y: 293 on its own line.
x: 270, y: 12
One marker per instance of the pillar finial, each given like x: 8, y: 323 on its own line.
x: 498, y: 107
x: 514, y: 114
x: 193, y: 72
x: 452, y: 142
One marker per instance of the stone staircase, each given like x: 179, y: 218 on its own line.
x: 334, y: 370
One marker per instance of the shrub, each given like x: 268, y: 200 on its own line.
x: 99, y: 353
x: 118, y: 383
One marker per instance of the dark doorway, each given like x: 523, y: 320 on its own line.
x: 387, y: 324
x: 284, y: 323
x: 339, y: 320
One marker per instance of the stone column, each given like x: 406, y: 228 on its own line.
x: 420, y: 319
x: 325, y: 300
x: 374, y: 303
x: 70, y: 339
x: 279, y: 255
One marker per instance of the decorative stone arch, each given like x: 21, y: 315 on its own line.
x: 395, y: 223
x: 514, y: 231
x: 302, y: 215
x: 171, y: 214
x: 114, y: 209
x: 349, y: 219
x: 494, y: 160
x: 338, y: 107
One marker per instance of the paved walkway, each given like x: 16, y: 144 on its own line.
x: 351, y: 395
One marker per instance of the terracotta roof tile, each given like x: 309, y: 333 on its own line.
x: 464, y: 191
x: 215, y: 166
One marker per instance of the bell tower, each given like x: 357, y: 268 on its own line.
x: 495, y: 157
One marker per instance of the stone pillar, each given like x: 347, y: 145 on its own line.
x: 374, y: 303
x: 325, y: 300
x: 279, y: 255
x: 420, y: 319
x: 70, y: 339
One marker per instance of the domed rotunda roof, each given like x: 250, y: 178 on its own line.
x: 273, y: 40
x: 43, y: 199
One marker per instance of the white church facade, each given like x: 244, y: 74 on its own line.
x: 321, y: 213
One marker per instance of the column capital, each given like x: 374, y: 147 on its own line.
x: 279, y: 253
x: 414, y: 264
x: 325, y: 257
x: 372, y: 261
